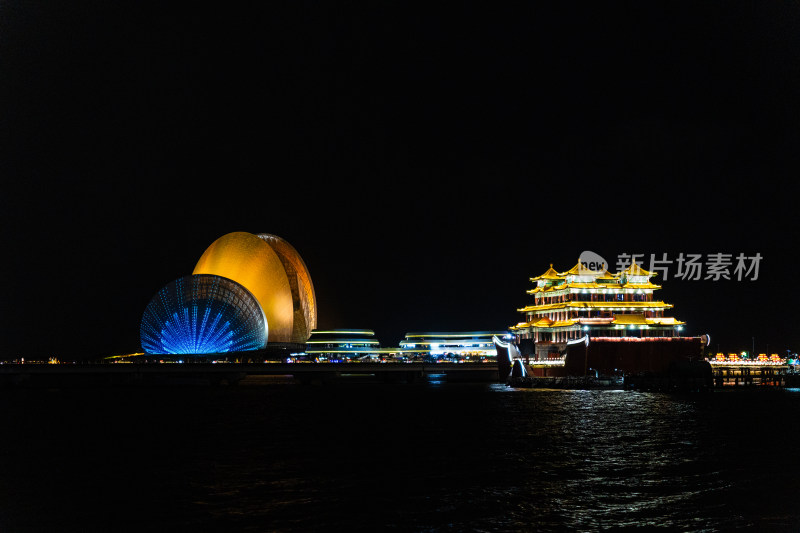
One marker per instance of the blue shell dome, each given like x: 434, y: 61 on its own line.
x: 203, y: 314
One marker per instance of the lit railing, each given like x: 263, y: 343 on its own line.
x: 642, y: 339
x: 735, y: 359
x: 547, y: 362
x: 746, y: 362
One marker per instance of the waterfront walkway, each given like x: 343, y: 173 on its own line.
x: 230, y: 373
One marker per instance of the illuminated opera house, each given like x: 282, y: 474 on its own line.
x: 246, y: 291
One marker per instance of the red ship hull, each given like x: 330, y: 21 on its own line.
x: 624, y: 356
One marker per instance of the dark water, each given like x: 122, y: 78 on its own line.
x: 276, y: 456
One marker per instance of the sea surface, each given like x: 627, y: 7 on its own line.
x: 273, y: 455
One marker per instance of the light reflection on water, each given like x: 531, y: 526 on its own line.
x: 431, y: 456
x: 615, y: 459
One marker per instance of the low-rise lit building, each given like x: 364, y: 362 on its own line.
x: 347, y: 345
x: 468, y: 346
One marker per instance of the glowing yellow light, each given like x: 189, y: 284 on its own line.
x: 252, y: 263
x: 303, y: 296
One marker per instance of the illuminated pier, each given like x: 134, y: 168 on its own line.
x: 733, y: 371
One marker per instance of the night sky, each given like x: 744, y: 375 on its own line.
x: 425, y: 160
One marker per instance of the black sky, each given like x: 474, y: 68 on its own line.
x: 425, y: 159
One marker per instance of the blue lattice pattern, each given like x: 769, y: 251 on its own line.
x: 203, y: 314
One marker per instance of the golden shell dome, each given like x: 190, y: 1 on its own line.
x: 254, y: 264
x: 303, y: 296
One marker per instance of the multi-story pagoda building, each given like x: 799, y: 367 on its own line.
x: 583, y: 303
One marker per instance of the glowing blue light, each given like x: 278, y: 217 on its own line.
x: 203, y: 314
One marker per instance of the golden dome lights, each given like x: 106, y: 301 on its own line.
x: 246, y: 291
x: 303, y: 298
x: 272, y: 270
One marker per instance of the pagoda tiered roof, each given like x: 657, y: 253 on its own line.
x: 550, y: 274
x: 576, y: 270
x: 607, y: 275
x: 635, y: 270
x: 580, y: 270
x: 629, y: 319
x: 595, y: 305
x: 548, y: 324
x: 647, y: 285
x: 579, y: 279
x: 594, y: 285
x: 667, y: 321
